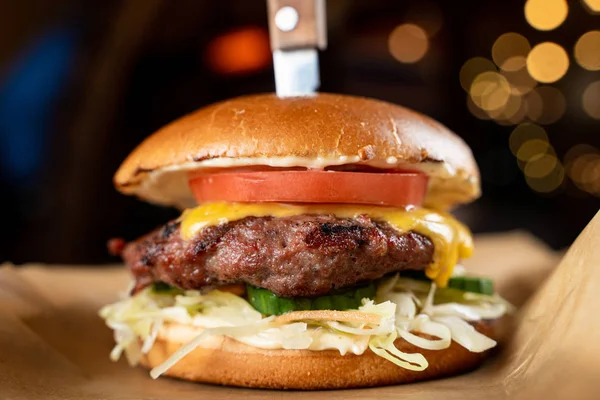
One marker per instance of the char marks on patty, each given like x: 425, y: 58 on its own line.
x: 305, y: 255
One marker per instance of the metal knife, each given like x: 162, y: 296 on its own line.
x: 297, y: 29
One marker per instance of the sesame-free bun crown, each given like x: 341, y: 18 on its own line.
x: 321, y: 131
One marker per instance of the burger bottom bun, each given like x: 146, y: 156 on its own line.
x: 233, y: 363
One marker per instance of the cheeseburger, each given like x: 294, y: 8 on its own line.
x: 314, y: 250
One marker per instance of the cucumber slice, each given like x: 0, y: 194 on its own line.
x: 472, y: 284
x: 163, y: 288
x: 465, y: 283
x: 269, y: 303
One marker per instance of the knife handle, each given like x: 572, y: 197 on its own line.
x: 297, y: 24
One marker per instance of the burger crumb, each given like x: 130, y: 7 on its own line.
x: 115, y: 246
x: 366, y: 153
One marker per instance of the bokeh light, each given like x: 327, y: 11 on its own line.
x: 511, y: 113
x: 241, y: 51
x: 582, y: 162
x: 550, y: 107
x: 534, y: 105
x: 546, y: 15
x: 543, y: 171
x: 490, y: 91
x: 583, y: 167
x: 514, y: 63
x: 590, y: 177
x: 526, y: 132
x: 534, y: 149
x: 472, y: 68
x: 510, y: 50
x: 427, y: 15
x: 520, y: 80
x: 591, y: 100
x: 592, y: 5
x: 577, y: 151
x: 547, y: 62
x: 408, y: 43
x: 550, y: 181
x: 507, y: 90
x: 475, y: 110
x: 587, y: 51
x: 539, y: 167
x: 584, y: 171
x: 519, y: 115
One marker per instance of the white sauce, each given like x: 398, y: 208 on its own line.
x: 291, y: 336
x: 315, y: 338
x: 169, y: 185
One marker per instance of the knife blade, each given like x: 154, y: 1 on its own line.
x: 297, y: 30
x: 296, y: 72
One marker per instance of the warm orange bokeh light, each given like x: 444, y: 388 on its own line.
x: 551, y: 106
x: 591, y: 100
x: 544, y: 175
x: 582, y: 162
x: 524, y: 133
x: 577, y: 151
x: 547, y: 62
x: 533, y: 105
x: 533, y: 149
x: 408, y: 43
x: 587, y: 51
x: 592, y: 5
x: 490, y: 91
x: 242, y: 51
x: 475, y: 110
x: 510, y: 51
x: 511, y: 113
x: 585, y: 172
x: 541, y: 166
x: 472, y: 68
x: 545, y: 15
x: 520, y: 80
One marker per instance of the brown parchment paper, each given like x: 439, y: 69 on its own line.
x: 53, y: 345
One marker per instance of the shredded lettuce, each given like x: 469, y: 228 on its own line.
x: 384, y: 347
x: 465, y: 334
x: 424, y: 324
x: 195, y: 342
x: 407, y: 307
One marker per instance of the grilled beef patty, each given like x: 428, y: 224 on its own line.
x: 305, y: 255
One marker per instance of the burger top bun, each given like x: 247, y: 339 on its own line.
x: 322, y: 131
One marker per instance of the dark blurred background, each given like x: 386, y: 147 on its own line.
x: 82, y: 82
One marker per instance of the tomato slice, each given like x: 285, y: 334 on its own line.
x: 399, y: 189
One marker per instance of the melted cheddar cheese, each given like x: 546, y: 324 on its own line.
x: 452, y: 240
